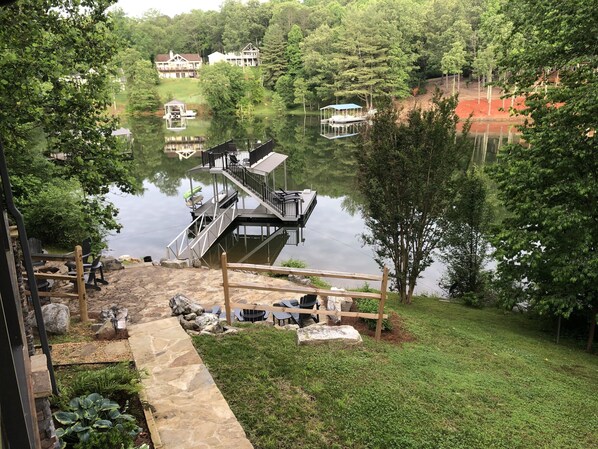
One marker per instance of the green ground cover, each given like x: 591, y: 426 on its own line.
x: 471, y: 379
x: 186, y: 90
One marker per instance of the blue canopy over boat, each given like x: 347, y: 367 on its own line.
x: 342, y: 107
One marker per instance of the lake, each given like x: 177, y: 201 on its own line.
x: 331, y: 238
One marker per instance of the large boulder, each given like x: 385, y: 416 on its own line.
x: 315, y: 335
x: 338, y: 303
x: 111, y: 264
x: 57, y: 318
x: 181, y: 305
x: 207, y: 320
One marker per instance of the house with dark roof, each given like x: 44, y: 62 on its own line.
x: 178, y: 65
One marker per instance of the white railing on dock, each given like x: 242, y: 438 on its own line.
x: 179, y: 247
x: 208, y: 236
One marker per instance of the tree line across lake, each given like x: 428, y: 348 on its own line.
x: 320, y: 51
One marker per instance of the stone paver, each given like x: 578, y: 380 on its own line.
x: 188, y: 409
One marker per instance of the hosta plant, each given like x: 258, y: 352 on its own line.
x: 87, y: 415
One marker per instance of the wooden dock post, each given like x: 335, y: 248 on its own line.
x: 224, y: 264
x: 81, y: 284
x: 383, y: 287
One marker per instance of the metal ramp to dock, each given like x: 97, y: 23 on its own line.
x: 197, y: 238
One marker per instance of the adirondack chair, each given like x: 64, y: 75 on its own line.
x: 91, y: 281
x: 305, y: 302
x: 250, y: 315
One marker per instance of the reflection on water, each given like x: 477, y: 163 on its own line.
x: 331, y: 239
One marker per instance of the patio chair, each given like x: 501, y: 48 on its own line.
x: 305, y: 302
x: 233, y: 159
x: 250, y: 315
x: 35, y: 247
x: 91, y: 281
x: 85, y: 251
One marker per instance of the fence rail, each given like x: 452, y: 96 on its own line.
x: 261, y: 152
x: 78, y: 278
x: 381, y: 297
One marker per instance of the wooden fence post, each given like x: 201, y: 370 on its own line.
x: 383, y: 287
x: 223, y: 263
x: 81, y: 284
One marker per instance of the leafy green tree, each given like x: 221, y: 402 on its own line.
x: 286, y: 89
x: 274, y: 63
x: 465, y: 245
x: 293, y: 51
x: 368, y: 57
x: 319, y: 68
x: 453, y: 61
x: 142, y: 87
x: 405, y: 177
x: 55, y: 91
x: 548, y: 243
x: 301, y: 92
x: 223, y: 86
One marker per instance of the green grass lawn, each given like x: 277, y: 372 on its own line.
x: 186, y: 90
x: 471, y: 379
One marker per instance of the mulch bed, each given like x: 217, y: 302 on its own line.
x: 399, y: 334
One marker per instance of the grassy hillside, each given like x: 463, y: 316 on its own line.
x: 470, y: 379
x: 186, y: 90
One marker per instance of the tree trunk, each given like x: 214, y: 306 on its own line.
x: 592, y: 328
x: 453, y: 85
x: 479, y: 89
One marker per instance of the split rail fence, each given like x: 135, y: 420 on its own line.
x: 78, y: 278
x: 229, y: 306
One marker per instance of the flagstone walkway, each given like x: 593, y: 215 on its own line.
x: 188, y: 409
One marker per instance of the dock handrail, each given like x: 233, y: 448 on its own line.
x: 208, y: 157
x: 182, y: 241
x: 263, y: 191
x: 204, y: 240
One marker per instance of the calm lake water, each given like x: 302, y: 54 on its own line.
x: 329, y: 241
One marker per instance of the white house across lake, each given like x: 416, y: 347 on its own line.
x: 175, y: 65
x: 249, y: 57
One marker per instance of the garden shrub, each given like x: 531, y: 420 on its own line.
x: 367, y: 305
x: 117, y: 382
x: 87, y: 416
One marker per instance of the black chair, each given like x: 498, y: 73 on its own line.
x: 233, y: 159
x: 305, y: 302
x: 250, y: 315
x: 91, y: 281
x: 86, y: 253
x: 35, y: 247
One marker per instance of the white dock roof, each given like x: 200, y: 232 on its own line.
x: 268, y: 164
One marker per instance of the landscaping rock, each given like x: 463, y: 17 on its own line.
x: 214, y: 328
x: 188, y: 325
x: 231, y: 331
x: 175, y: 263
x: 111, y: 264
x: 207, y: 333
x: 207, y: 319
x: 299, y: 279
x: 181, y: 305
x: 315, y: 335
x: 190, y: 316
x: 193, y: 333
x: 57, y: 318
x: 196, y: 263
x: 106, y: 332
x: 290, y: 327
x: 338, y: 304
x: 129, y: 259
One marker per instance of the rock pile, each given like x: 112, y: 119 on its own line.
x: 195, y: 320
x: 112, y: 324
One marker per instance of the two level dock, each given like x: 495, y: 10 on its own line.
x: 234, y: 170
